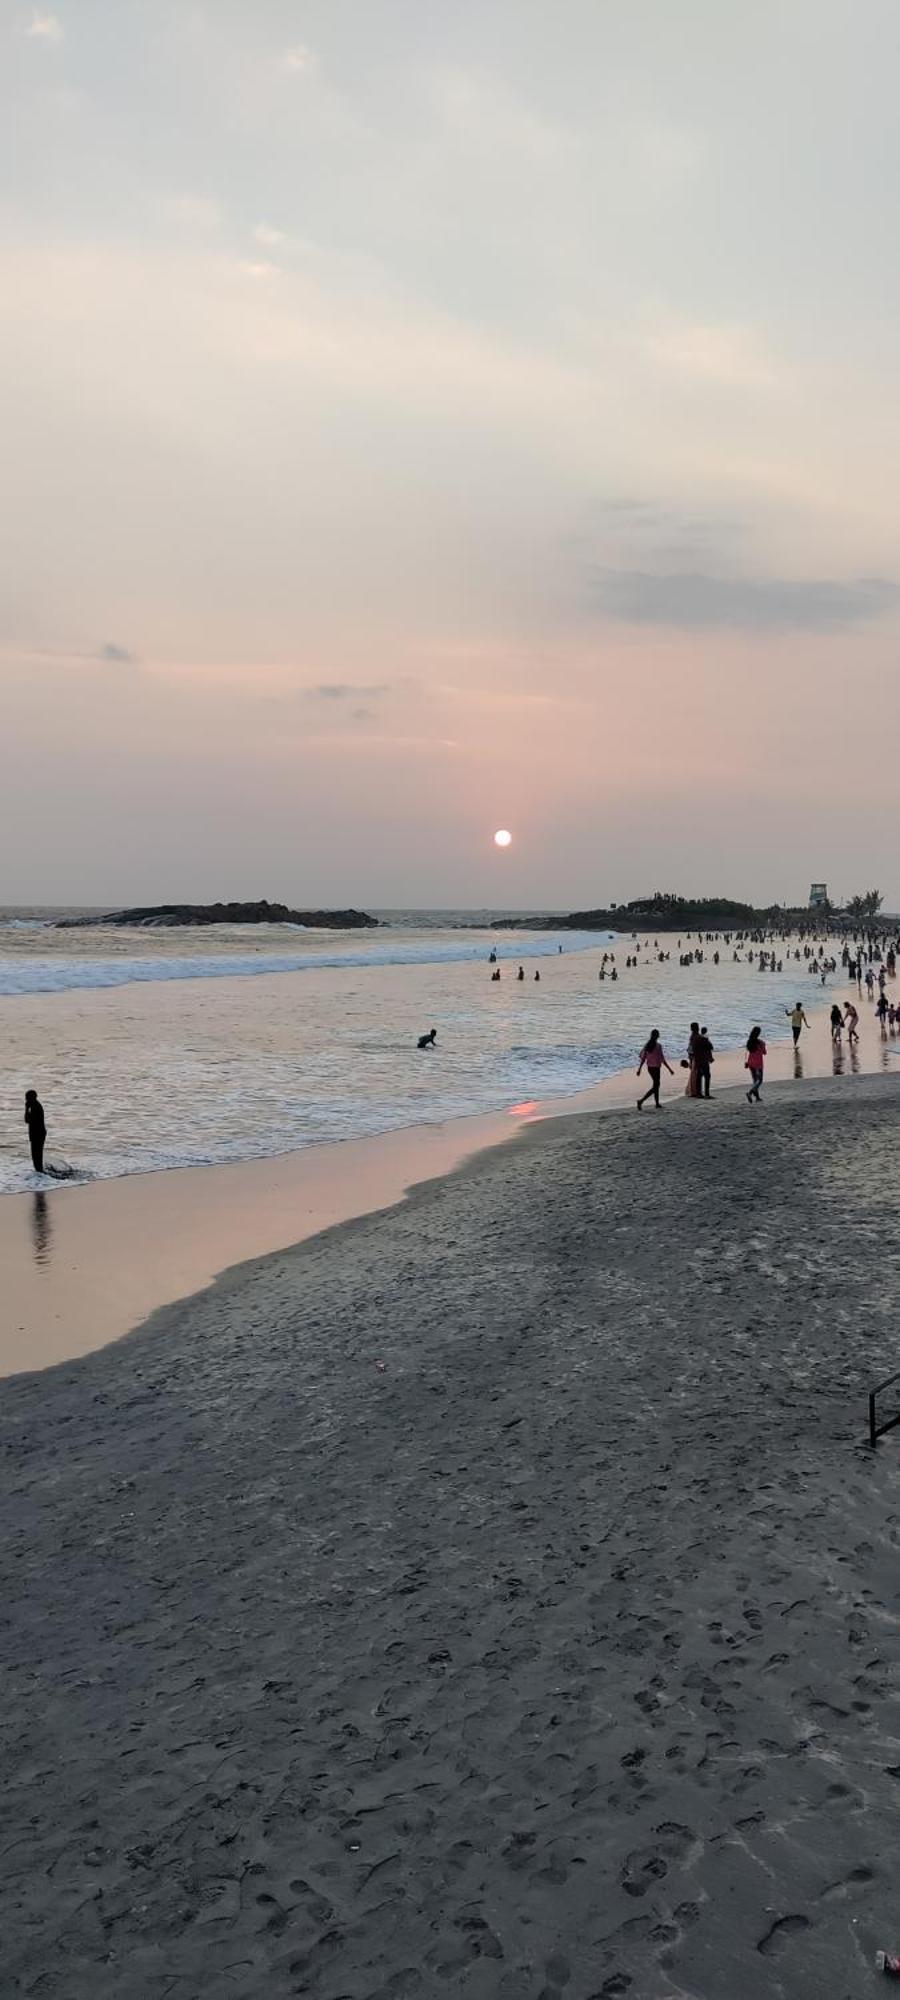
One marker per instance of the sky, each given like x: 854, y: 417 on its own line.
x: 422, y: 419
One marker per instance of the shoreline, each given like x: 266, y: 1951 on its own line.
x: 89, y: 1263
x: 493, y: 1596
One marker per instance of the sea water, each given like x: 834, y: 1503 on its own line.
x: 154, y: 1049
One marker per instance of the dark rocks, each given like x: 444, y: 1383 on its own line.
x: 164, y: 916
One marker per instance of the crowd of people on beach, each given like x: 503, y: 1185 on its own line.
x: 868, y: 961
x: 880, y: 966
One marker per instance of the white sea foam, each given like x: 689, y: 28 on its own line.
x: 59, y: 972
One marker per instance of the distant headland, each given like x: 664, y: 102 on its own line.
x: 681, y: 913
x: 705, y: 913
x: 168, y: 916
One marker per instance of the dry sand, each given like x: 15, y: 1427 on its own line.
x: 493, y: 1598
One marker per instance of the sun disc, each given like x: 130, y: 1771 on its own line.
x: 502, y: 837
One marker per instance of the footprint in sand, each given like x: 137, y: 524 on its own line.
x: 858, y: 1878
x: 779, y: 1933
x: 642, y: 1868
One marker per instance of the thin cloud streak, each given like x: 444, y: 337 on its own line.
x: 348, y: 690
x: 692, y: 602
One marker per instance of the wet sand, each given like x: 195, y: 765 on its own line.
x: 491, y: 1598
x: 83, y: 1265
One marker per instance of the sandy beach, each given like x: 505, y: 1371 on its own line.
x: 494, y: 1597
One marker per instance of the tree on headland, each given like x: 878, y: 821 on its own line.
x: 863, y: 908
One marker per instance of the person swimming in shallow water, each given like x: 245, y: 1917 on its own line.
x: 427, y: 1041
x: 37, y: 1129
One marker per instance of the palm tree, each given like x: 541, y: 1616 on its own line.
x: 860, y: 908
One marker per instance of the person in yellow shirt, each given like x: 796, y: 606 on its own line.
x: 797, y: 1020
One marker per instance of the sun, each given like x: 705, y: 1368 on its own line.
x: 502, y: 837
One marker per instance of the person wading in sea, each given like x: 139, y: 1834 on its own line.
x: 37, y: 1129
x: 797, y: 1020
x: 653, y: 1059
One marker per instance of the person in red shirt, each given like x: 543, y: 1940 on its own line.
x: 653, y: 1059
x: 756, y: 1055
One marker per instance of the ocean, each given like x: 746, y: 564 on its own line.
x: 163, y: 1049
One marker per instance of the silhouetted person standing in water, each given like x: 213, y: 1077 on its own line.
x: 37, y: 1129
x: 427, y: 1041
x: 653, y: 1059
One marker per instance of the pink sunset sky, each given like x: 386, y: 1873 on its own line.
x: 422, y: 419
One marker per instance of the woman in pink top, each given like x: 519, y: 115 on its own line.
x: 653, y: 1059
x: 756, y: 1055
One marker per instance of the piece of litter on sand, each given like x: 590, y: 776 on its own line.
x: 885, y: 1963
x: 381, y: 1367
